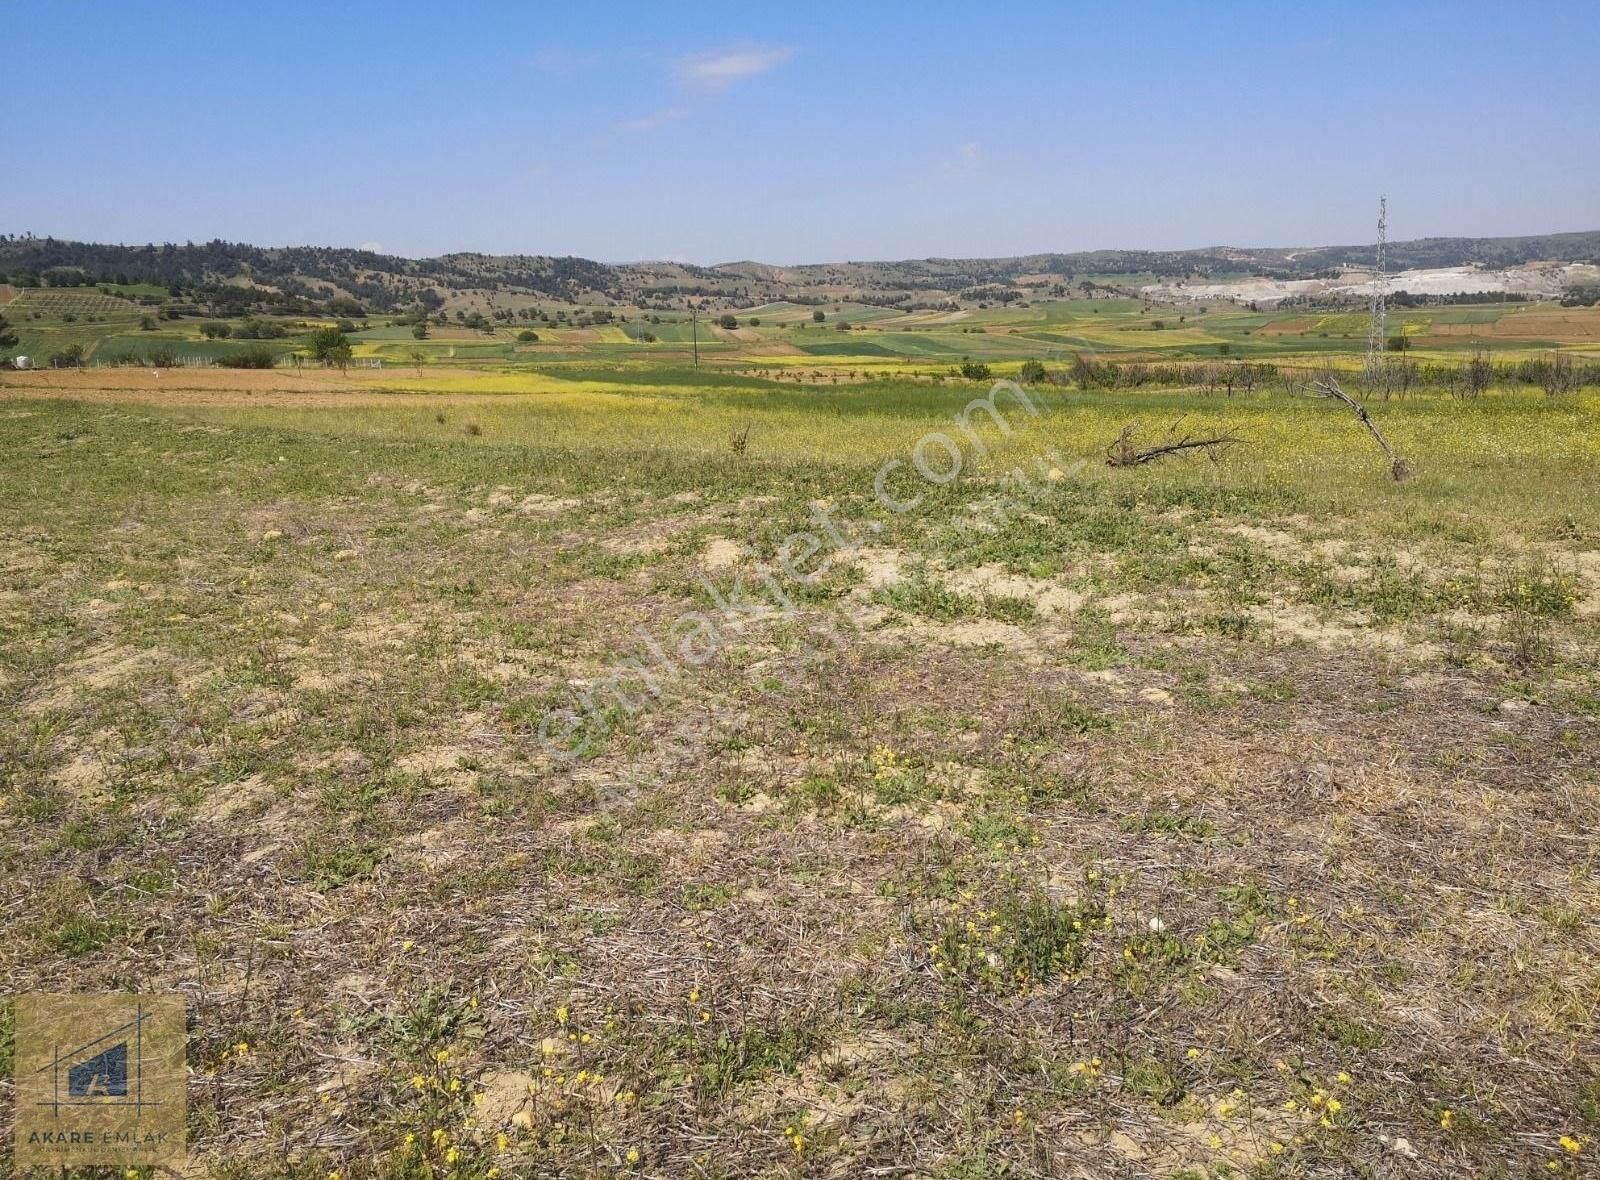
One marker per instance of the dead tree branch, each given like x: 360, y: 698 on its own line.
x: 1123, y: 453
x: 1329, y: 388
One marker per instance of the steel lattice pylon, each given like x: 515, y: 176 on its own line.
x: 1380, y: 293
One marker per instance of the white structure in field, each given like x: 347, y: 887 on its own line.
x: 23, y: 362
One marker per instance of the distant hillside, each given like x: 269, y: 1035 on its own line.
x: 232, y: 278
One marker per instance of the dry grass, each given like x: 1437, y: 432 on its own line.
x: 1154, y: 834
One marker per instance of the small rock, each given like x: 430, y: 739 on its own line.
x: 1157, y: 925
x: 1402, y: 1146
x: 1320, y: 776
x: 1514, y: 706
x: 324, y: 607
x: 347, y: 555
x: 272, y: 535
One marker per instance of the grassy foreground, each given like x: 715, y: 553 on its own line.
x: 1204, y: 818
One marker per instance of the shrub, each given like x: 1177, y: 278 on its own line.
x: 257, y: 356
x: 975, y: 371
x: 1032, y: 371
x: 69, y: 357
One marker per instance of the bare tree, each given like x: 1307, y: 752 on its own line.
x: 1398, y: 467
x: 1557, y: 374
x: 1122, y: 453
x: 1478, y: 374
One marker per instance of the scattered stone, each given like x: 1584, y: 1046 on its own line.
x: 1402, y: 1146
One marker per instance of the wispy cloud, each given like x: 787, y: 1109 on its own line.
x: 967, y: 165
x: 654, y: 119
x: 716, y: 72
x: 703, y: 77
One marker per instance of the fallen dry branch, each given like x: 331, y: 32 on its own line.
x: 1329, y: 388
x: 1123, y: 453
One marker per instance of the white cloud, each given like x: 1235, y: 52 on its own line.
x: 654, y: 119
x: 375, y: 247
x: 718, y: 71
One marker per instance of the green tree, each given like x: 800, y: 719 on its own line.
x: 8, y: 338
x: 818, y: 316
x: 1032, y: 371
x: 1399, y: 342
x: 728, y: 321
x: 326, y: 341
x: 420, y: 330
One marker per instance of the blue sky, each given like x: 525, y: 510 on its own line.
x: 800, y: 131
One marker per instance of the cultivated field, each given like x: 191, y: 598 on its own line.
x: 622, y: 769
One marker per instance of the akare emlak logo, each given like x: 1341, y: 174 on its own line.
x: 100, y: 1079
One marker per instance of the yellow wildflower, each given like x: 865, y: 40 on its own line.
x: 1570, y: 1145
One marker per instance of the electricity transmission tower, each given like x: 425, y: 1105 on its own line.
x: 1380, y: 294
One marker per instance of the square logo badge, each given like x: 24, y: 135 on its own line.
x: 100, y: 1079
